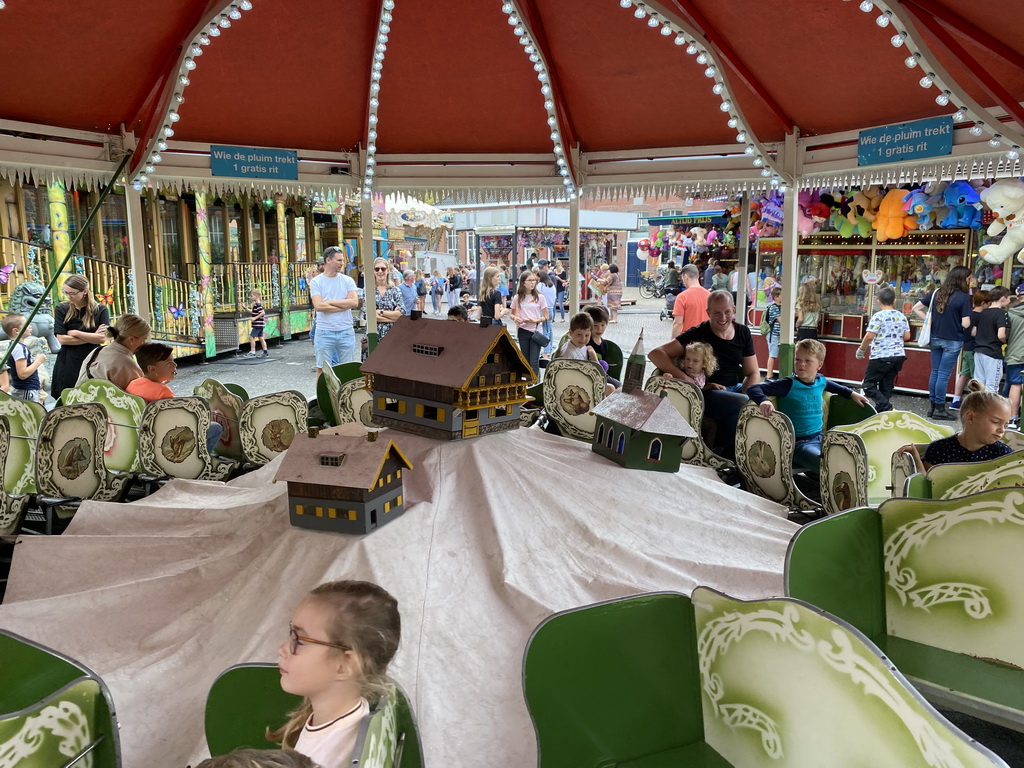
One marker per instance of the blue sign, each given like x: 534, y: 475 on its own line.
x: 254, y: 162
x: 906, y: 141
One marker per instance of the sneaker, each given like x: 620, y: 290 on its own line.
x: 1014, y: 424
x: 955, y: 405
x: 249, y: 354
x: 265, y: 354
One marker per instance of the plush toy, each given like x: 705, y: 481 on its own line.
x: 699, y: 235
x: 891, y: 221
x: 771, y: 208
x: 712, y: 237
x: 964, y: 211
x: 1006, y: 199
x: 804, y: 222
x: 865, y: 203
x: 919, y: 204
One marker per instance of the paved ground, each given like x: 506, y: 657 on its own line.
x: 289, y: 364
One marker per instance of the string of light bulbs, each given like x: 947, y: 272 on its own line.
x: 192, y: 50
x: 928, y: 80
x: 379, y: 49
x: 541, y: 67
x: 712, y: 70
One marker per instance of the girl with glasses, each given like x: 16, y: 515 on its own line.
x: 80, y: 324
x: 341, y: 639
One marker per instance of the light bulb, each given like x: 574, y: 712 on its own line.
x: 150, y: 168
x: 680, y: 40
x: 883, y: 20
x: 370, y: 161
x: 190, y: 63
x: 741, y: 137
x: 519, y: 31
x: 374, y: 88
x: 960, y: 115
x: 224, y: 22
x: 375, y: 75
x: 542, y: 76
x: 368, y: 171
x: 173, y: 116
x: 161, y: 145
x: 183, y: 79
x: 554, y: 135
x: 666, y: 30
x: 942, y: 99
x: 373, y: 119
x: 381, y: 47
x: 717, y: 88
x: 996, y: 140
x: 137, y: 184
x: 561, y: 161
x: 749, y: 150
x: 911, y: 61
x: 512, y: 20
x: 710, y: 71
x: 155, y: 158
x: 725, y: 106
x: 234, y: 13
x: 386, y: 17
x: 530, y: 49
x: 558, y: 149
x: 691, y: 49
x: 167, y: 131
x: 371, y: 147
x: 549, y: 104
x: 507, y: 8
x: 538, y: 67
x: 758, y: 161
x: 389, y: 5
x: 1013, y: 154
x: 214, y: 29
x: 546, y: 90
x: 625, y: 3
x: 976, y: 130
x: 702, y: 58
x: 897, y: 40
x: 765, y: 172
x: 377, y: 66
x: 552, y: 121
x: 733, y: 122
x: 372, y: 135
x: 534, y: 58
x: 524, y: 40
x: 653, y: 22
x: 926, y: 81
x: 204, y: 39
x: 867, y: 6
x: 374, y: 103
x: 179, y: 98
x: 245, y: 5
x: 639, y: 12
x: 143, y: 178
x: 563, y: 172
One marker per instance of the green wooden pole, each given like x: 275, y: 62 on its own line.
x: 58, y: 270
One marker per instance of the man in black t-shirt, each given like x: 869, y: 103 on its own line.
x: 734, y: 350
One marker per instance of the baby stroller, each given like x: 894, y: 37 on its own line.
x: 670, y: 300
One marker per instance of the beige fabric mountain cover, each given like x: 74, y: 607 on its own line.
x: 161, y: 595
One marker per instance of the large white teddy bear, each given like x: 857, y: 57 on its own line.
x: 1006, y: 199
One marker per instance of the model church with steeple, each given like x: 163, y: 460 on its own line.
x: 638, y: 429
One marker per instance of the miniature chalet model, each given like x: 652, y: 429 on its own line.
x: 447, y: 380
x: 638, y: 429
x: 343, y: 483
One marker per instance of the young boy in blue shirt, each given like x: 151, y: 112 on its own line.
x: 802, y: 398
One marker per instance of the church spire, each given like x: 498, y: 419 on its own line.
x: 633, y: 380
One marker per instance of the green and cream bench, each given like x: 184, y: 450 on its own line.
x: 936, y: 584
x: 856, y: 459
x: 246, y: 701
x: 764, y: 455
x: 124, y: 414
x: 54, y: 712
x: 663, y: 680
x: 225, y: 409
x: 946, y: 481
x: 19, y: 468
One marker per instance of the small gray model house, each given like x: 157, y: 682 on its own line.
x: 447, y: 380
x: 638, y: 429
x: 343, y: 483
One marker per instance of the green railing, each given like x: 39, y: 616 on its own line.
x: 175, y: 306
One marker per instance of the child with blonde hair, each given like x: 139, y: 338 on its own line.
x: 342, y: 637
x: 259, y: 758
x: 699, y: 362
x: 808, y: 310
x: 984, y: 416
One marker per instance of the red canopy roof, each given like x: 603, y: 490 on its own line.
x: 296, y: 73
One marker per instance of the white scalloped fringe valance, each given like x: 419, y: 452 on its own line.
x: 975, y: 167
x: 73, y: 178
x: 703, y: 190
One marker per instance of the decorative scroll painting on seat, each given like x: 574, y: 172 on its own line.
x: 173, y: 440
x: 69, y: 454
x: 124, y: 414
x: 571, y: 389
x: 268, y: 424
x: 783, y: 683
x: 225, y: 408
x: 764, y: 455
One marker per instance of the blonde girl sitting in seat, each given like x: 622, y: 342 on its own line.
x: 984, y: 416
x: 342, y: 637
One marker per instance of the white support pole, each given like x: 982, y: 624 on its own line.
x: 790, y: 280
x: 574, y: 255
x: 743, y: 246
x: 138, y: 249
x: 366, y: 256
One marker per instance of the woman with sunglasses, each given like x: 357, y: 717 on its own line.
x: 389, y: 298
x: 80, y: 324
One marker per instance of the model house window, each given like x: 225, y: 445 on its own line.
x: 440, y: 414
x: 610, y: 438
x: 427, y: 349
x: 622, y: 443
x: 600, y: 433
x: 482, y: 381
x: 654, y: 452
x: 428, y: 412
x: 389, y: 479
x: 494, y: 357
x: 419, y: 411
x: 499, y: 411
x: 331, y: 459
x: 398, y: 474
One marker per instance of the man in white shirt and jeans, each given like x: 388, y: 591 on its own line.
x: 334, y: 297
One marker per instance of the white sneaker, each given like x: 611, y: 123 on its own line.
x: 250, y: 354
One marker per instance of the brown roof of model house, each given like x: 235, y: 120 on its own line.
x: 440, y: 352
x: 360, y: 463
x: 644, y: 412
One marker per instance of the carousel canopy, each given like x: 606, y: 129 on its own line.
x: 525, y: 96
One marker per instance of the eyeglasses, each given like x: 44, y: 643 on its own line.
x: 380, y: 269
x: 297, y: 640
x: 72, y: 293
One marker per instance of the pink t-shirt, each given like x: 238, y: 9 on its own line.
x: 531, y: 311
x: 697, y: 379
